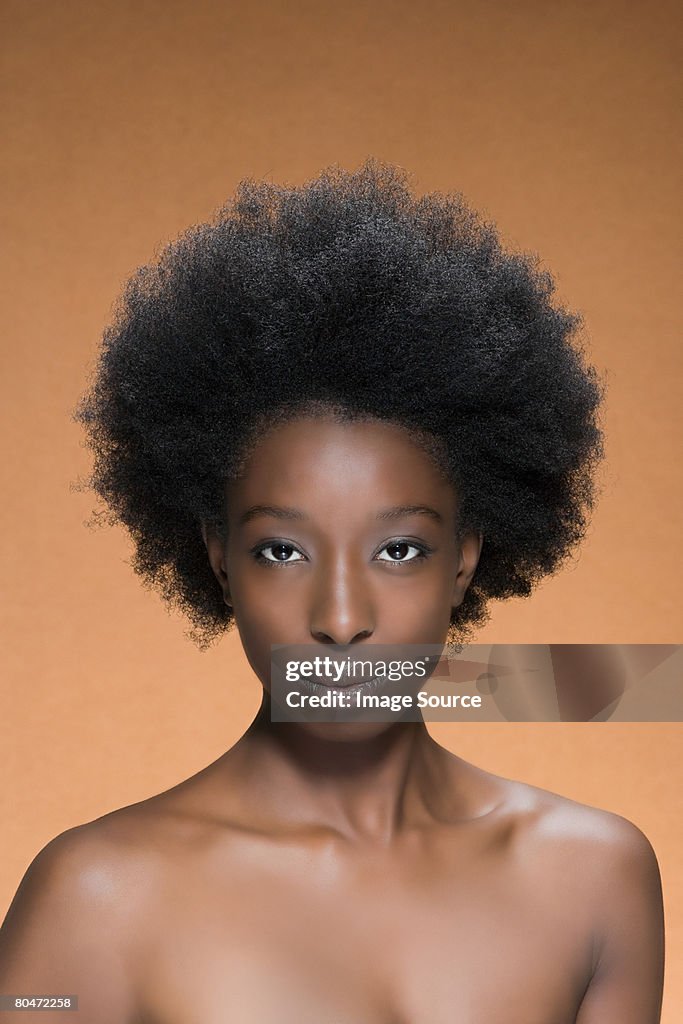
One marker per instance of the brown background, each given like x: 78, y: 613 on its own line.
x: 123, y: 123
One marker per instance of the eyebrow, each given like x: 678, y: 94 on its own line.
x: 283, y: 512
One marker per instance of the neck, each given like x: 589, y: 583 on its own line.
x: 363, y: 783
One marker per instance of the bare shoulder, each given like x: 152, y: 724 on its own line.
x: 76, y: 921
x: 593, y: 865
x: 70, y: 869
x: 115, y: 864
x: 599, y: 873
x: 599, y: 868
x: 65, y: 930
x: 93, y: 875
x: 591, y: 838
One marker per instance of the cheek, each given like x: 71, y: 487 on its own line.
x: 430, y: 589
x: 420, y: 618
x: 255, y: 641
x: 268, y: 608
x: 418, y: 610
x: 262, y: 618
x: 257, y: 591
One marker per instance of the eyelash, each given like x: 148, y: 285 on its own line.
x: 423, y: 552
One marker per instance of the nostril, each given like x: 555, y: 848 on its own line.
x: 338, y: 638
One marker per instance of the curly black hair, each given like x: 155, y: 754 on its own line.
x: 351, y: 292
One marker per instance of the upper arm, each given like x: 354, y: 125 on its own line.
x: 626, y: 985
x: 65, y: 931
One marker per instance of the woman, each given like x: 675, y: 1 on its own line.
x: 342, y: 415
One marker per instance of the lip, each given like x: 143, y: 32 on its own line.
x: 347, y: 687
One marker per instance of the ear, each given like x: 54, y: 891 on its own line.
x: 470, y: 550
x: 215, y: 549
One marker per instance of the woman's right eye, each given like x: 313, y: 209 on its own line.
x: 281, y: 553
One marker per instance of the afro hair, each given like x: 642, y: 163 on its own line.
x: 348, y: 292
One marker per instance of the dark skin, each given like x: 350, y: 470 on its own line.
x: 343, y: 873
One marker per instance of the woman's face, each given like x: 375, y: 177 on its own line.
x: 340, y: 533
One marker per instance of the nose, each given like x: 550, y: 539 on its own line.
x: 342, y: 610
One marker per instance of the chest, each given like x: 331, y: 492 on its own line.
x: 322, y: 943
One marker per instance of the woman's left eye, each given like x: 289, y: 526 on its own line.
x: 398, y: 552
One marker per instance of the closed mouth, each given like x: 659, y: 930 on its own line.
x: 349, y: 686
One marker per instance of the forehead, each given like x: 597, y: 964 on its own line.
x: 322, y: 462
